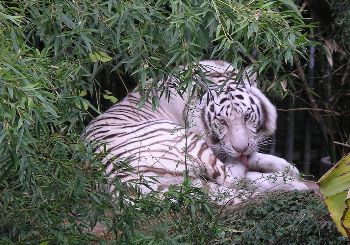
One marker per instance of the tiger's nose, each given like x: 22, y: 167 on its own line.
x: 241, y: 149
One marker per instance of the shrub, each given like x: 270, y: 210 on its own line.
x: 281, y: 218
x: 48, y: 178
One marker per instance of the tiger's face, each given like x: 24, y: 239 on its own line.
x: 239, y: 119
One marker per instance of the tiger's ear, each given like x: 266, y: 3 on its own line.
x: 249, y: 77
x: 268, y: 110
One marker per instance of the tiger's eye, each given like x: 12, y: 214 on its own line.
x: 223, y: 122
x: 246, y: 117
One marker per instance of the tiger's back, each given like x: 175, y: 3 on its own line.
x: 155, y: 143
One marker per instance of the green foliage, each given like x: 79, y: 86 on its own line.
x: 47, y: 178
x: 182, y: 216
x: 148, y: 39
x: 341, y: 23
x: 285, y: 218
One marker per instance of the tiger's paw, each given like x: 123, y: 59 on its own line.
x: 275, y: 181
x: 300, y: 186
x: 291, y: 170
x: 235, y: 171
x: 281, y: 165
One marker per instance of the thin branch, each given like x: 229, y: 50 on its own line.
x: 307, y: 88
x: 342, y: 144
x: 123, y: 82
x: 311, y: 109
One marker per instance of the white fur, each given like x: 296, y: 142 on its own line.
x: 171, y: 116
x: 266, y: 171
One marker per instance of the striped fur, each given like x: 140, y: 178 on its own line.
x: 215, y: 137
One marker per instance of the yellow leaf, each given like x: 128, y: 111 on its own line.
x: 334, y: 187
x: 83, y: 93
x: 111, y: 98
x: 99, y: 56
x: 345, y: 219
x: 93, y: 57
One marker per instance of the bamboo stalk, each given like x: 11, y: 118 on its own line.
x: 315, y: 111
x: 330, y: 126
x: 289, y: 143
x: 307, y: 145
x: 273, y: 145
x: 308, y: 122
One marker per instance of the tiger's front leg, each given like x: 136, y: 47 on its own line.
x: 270, y: 173
x: 269, y: 164
x: 265, y: 182
x: 211, y: 167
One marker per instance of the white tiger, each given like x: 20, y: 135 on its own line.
x: 215, y: 137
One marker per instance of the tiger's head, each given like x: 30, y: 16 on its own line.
x: 238, y: 116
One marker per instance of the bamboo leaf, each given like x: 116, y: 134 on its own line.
x: 345, y: 219
x: 111, y: 98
